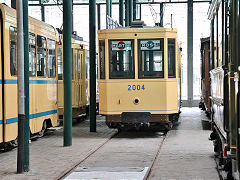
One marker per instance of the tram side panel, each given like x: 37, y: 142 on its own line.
x: 1, y: 86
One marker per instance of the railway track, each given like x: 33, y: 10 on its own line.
x: 95, y: 150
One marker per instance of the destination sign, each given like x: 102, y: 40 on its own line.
x: 121, y: 45
x: 150, y: 45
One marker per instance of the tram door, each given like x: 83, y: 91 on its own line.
x: 74, y: 80
x: 80, y: 76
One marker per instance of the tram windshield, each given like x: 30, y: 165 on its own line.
x: 151, y: 58
x: 121, y: 59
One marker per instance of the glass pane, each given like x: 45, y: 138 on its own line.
x: 121, y: 59
x: 60, y: 64
x: 102, y: 59
x: 171, y: 58
x: 32, y: 55
x: 151, y: 58
x: 51, y: 45
x: 13, y: 51
x: 41, y: 56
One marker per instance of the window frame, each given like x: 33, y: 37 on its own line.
x: 163, y: 60
x: 33, y: 35
x: 175, y: 58
x: 47, y: 56
x: 15, y: 31
x: 109, y: 62
x: 102, y: 74
x: 43, y: 37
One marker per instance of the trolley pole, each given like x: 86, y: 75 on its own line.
x: 26, y: 82
x: 161, y: 14
x: 92, y: 40
x: 21, y: 99
x: 121, y: 4
x: 67, y: 71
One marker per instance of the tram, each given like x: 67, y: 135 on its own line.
x: 79, y: 97
x: 139, y: 77
x: 225, y: 99
x: 42, y: 72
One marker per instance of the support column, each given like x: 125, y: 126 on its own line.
x: 67, y: 71
x: 134, y: 10
x: 92, y: 41
x: 190, y: 52
x: 130, y: 13
x: 108, y: 10
x: 161, y: 14
x: 99, y: 15
x: 121, y: 5
x: 26, y: 85
x: 21, y: 98
x: 13, y: 4
x: 42, y: 11
x: 127, y: 13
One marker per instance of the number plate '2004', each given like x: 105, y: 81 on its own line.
x: 136, y: 87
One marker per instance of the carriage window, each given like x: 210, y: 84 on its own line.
x: 51, y: 63
x: 121, y: 59
x: 60, y: 64
x: 32, y: 55
x: 13, y: 51
x: 102, y: 59
x: 151, y: 58
x: 171, y: 58
x: 41, y: 56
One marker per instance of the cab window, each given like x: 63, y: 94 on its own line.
x: 32, y: 55
x: 121, y: 59
x: 51, y: 63
x: 41, y: 56
x: 102, y: 59
x: 151, y: 58
x: 13, y: 51
x: 171, y: 58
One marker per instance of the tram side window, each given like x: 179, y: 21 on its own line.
x: 51, y: 63
x: 41, y: 56
x: 121, y: 59
x: 60, y: 64
x: 32, y: 55
x: 102, y: 59
x: 151, y: 58
x: 13, y: 50
x: 171, y: 58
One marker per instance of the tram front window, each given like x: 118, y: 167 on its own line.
x: 121, y: 59
x: 151, y: 58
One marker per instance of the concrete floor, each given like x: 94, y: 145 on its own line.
x: 185, y: 154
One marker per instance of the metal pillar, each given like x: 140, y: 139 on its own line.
x: 26, y: 85
x: 99, y: 15
x: 190, y: 52
x: 108, y: 10
x: 121, y: 5
x: 92, y: 40
x: 21, y: 98
x: 134, y: 10
x: 13, y: 4
x: 126, y: 13
x: 42, y: 11
x: 130, y: 12
x: 161, y: 14
x: 67, y: 71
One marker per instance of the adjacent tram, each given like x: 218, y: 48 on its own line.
x: 139, y: 77
x: 42, y: 72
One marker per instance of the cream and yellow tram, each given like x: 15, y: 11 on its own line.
x: 139, y: 76
x: 42, y: 72
x: 79, y: 97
